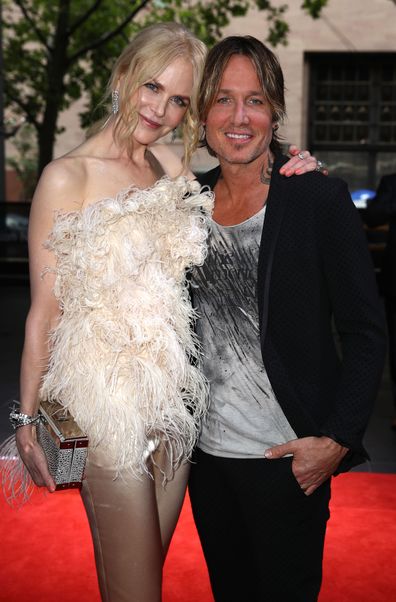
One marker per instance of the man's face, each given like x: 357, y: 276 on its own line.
x: 239, y: 123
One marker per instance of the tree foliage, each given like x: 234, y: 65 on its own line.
x: 56, y: 51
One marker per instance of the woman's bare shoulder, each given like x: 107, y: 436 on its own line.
x: 62, y: 183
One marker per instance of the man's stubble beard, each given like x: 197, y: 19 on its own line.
x: 242, y: 160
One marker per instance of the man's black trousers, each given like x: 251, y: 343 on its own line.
x: 262, y: 537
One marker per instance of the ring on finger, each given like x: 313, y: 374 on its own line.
x: 320, y: 165
x: 301, y: 155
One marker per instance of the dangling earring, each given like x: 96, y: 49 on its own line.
x: 174, y: 135
x: 115, y: 101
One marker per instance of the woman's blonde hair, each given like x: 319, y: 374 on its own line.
x: 145, y: 57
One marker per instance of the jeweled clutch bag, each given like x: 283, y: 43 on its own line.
x: 65, y: 447
x: 64, y: 444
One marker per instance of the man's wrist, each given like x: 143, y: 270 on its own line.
x: 344, y: 449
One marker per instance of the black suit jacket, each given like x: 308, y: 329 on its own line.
x: 314, y: 272
x: 382, y: 210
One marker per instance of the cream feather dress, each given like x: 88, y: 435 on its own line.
x: 123, y: 350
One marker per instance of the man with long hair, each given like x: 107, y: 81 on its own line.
x: 287, y: 256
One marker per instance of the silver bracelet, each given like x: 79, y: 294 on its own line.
x: 18, y: 419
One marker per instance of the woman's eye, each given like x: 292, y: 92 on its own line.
x: 151, y: 86
x: 179, y: 101
x: 256, y: 101
x: 223, y: 100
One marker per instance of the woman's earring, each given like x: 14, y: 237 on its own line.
x: 174, y: 135
x: 115, y: 101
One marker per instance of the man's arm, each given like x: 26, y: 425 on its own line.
x: 359, y: 321
x: 358, y: 317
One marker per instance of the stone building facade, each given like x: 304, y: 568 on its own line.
x: 340, y: 74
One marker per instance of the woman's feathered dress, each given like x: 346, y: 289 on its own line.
x: 123, y: 352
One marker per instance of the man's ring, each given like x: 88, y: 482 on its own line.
x: 319, y: 165
x: 301, y: 155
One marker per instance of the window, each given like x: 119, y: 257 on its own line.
x: 352, y: 114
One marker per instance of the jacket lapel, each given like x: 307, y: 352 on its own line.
x: 210, y: 177
x: 273, y: 219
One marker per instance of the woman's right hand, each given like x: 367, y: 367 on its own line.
x: 33, y: 457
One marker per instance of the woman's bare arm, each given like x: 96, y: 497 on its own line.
x: 59, y: 189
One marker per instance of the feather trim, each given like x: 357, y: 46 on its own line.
x: 16, y: 482
x: 122, y: 353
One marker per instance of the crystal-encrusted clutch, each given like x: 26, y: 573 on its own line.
x: 65, y: 447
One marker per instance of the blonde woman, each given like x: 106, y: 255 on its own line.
x: 114, y: 226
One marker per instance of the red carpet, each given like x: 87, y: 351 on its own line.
x: 46, y: 553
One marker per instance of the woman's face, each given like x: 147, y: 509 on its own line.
x: 162, y: 102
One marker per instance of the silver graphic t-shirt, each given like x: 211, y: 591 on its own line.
x: 244, y: 416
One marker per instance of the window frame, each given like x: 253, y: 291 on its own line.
x: 317, y: 60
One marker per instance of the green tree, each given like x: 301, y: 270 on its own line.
x: 25, y: 162
x: 56, y: 50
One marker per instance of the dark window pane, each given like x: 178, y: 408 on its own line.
x: 320, y: 133
x: 363, y: 114
x: 322, y: 92
x: 362, y: 134
x: 386, y: 114
x: 334, y: 133
x: 335, y: 113
x: 348, y: 113
x: 362, y: 93
x: 335, y: 92
x: 335, y: 73
x: 349, y: 92
x: 388, y: 73
x: 385, y: 134
x: 362, y: 73
x: 386, y: 92
x: 350, y: 73
x: 322, y: 74
x: 348, y: 133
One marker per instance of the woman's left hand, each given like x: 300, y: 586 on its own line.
x: 301, y: 162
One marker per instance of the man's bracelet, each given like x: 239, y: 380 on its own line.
x: 18, y: 419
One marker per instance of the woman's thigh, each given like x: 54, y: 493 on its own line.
x: 123, y: 517
x: 170, y: 495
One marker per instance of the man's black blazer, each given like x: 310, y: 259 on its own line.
x: 314, y: 273
x: 382, y: 210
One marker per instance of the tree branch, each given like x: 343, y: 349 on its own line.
x: 31, y: 22
x: 107, y: 37
x: 25, y: 108
x: 84, y: 17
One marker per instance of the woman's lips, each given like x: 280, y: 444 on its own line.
x: 151, y: 124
